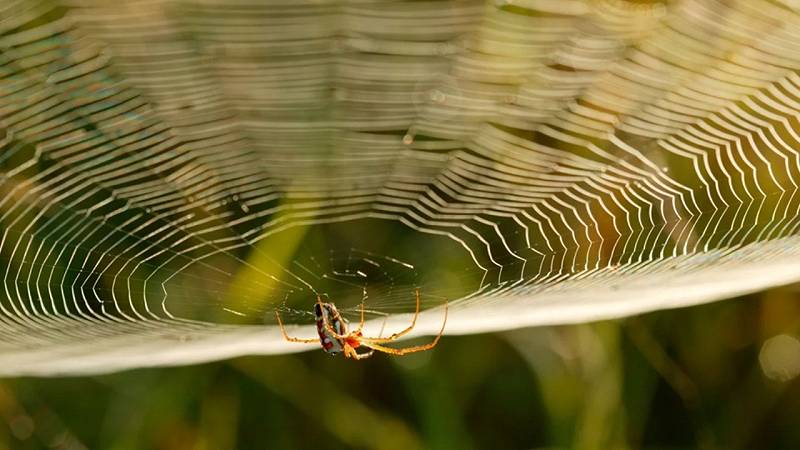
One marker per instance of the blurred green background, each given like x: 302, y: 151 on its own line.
x: 710, y: 377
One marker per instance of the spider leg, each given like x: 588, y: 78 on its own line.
x: 363, y: 320
x: 357, y: 330
x: 333, y: 332
x: 361, y: 323
x: 401, y: 333
x: 374, y: 343
x: 382, y: 314
x: 350, y: 352
x: 329, y: 327
x: 402, y: 351
x: 293, y: 339
x: 359, y: 356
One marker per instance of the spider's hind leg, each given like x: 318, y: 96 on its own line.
x: 359, y: 356
x: 375, y: 343
x: 350, y: 352
x: 407, y: 330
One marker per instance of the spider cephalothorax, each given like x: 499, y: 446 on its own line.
x: 335, y: 337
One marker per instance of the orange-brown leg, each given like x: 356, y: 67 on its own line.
x: 329, y: 326
x: 403, y: 351
x: 363, y: 355
x: 350, y: 352
x: 406, y: 331
x: 332, y: 331
x: 362, y: 321
x: 293, y: 339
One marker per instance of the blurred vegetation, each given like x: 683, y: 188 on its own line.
x: 689, y: 378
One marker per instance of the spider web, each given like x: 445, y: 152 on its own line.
x: 172, y: 173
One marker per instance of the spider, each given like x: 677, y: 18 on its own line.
x: 335, y: 337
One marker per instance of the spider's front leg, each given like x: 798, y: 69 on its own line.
x: 293, y: 339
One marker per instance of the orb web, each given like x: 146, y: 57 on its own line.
x: 172, y: 173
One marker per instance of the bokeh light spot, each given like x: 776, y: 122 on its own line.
x: 780, y: 357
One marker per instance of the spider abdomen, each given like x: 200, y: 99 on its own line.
x: 327, y: 314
